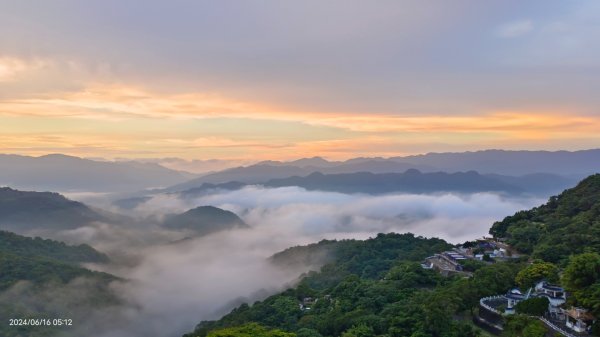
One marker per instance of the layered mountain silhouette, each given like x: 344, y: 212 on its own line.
x: 566, y: 163
x: 57, y: 172
x: 559, y: 168
x: 21, y: 211
x: 411, y: 181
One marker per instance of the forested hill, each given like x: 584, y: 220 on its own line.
x: 34, y: 270
x: 370, y: 258
x: 370, y: 288
x: 204, y: 220
x: 26, y: 246
x: 40, y: 261
x: 567, y: 224
x: 24, y: 210
x: 377, y: 287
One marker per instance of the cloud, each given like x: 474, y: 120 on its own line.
x: 15, y: 69
x: 172, y: 286
x: 293, y: 212
x: 179, y: 285
x: 514, y: 29
x: 176, y: 286
x: 213, y: 125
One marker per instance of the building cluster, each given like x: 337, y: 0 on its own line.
x: 578, y: 320
x: 447, y: 263
x: 558, y: 315
x: 481, y: 248
x: 450, y: 262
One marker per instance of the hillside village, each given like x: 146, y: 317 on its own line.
x: 551, y: 299
x: 451, y: 262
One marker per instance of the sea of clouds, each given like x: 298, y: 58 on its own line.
x: 172, y: 285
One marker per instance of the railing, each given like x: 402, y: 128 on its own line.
x: 556, y: 328
x: 544, y: 320
x: 483, y: 304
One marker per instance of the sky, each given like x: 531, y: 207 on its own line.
x: 282, y: 80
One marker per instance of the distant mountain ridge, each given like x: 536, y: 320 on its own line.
x: 580, y: 163
x: 411, y: 181
x: 22, y: 210
x: 568, y: 165
x: 57, y: 172
x: 248, y: 174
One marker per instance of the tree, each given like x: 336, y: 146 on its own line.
x: 536, y: 306
x: 516, y: 323
x: 535, y: 272
x: 590, y: 298
x: 535, y: 329
x: 582, y: 271
x: 305, y: 332
x: 249, y: 330
x: 361, y: 330
x: 496, y: 278
x: 438, y: 310
x: 472, y: 265
x: 524, y: 326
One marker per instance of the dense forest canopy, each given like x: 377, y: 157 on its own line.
x: 32, y: 266
x: 567, y: 224
x: 374, y: 287
x: 26, y: 246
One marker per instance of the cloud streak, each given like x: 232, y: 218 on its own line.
x: 87, y: 123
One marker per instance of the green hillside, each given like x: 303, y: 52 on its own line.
x: 23, y: 210
x: 377, y: 288
x: 372, y: 287
x: 40, y: 270
x: 567, y: 224
x: 25, y: 246
x: 42, y: 279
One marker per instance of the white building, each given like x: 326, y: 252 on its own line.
x: 555, y: 294
x: 579, y: 320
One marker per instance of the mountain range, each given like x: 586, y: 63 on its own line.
x: 559, y: 165
x: 57, y: 172
x: 411, y: 181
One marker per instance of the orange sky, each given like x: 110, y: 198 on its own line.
x: 119, y: 121
x: 398, y: 78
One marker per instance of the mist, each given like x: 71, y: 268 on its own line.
x: 170, y: 284
x: 314, y: 215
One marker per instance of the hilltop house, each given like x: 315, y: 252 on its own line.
x: 575, y: 319
x: 513, y: 297
x: 308, y: 303
x: 495, y: 250
x: 555, y: 295
x: 447, y: 263
x: 579, y: 320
